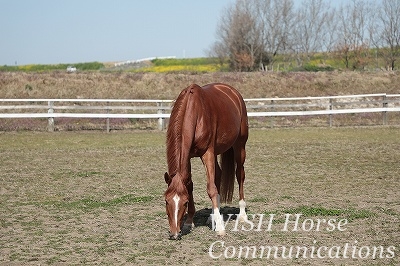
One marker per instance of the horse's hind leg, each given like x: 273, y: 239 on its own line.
x: 218, y: 174
x: 240, y: 156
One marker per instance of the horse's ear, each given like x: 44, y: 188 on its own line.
x: 167, y: 178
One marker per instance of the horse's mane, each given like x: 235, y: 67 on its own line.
x: 174, y: 133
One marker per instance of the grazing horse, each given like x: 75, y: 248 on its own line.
x: 205, y: 122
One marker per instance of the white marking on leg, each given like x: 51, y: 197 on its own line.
x: 176, y: 199
x: 216, y: 219
x: 211, y: 219
x: 219, y: 222
x: 242, y: 212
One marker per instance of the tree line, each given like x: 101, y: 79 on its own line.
x: 252, y: 34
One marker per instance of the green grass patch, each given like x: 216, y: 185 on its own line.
x: 185, y: 62
x: 308, y: 211
x: 349, y: 214
x: 315, y: 211
x: 258, y: 199
x: 316, y: 68
x: 353, y: 214
x: 191, y: 65
x: 90, y: 203
x: 4, y: 223
x: 42, y: 68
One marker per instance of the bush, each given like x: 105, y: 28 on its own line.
x: 317, y: 68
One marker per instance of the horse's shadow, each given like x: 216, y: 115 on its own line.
x: 202, y: 217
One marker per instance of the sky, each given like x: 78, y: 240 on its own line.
x: 75, y: 31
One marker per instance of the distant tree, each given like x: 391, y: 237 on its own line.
x: 250, y: 33
x: 218, y: 51
x: 276, y: 20
x: 311, y: 32
x: 384, y: 31
x: 238, y: 37
x: 331, y: 31
x: 352, y: 45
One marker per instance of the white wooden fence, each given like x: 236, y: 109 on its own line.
x: 159, y: 109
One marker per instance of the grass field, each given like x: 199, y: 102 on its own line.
x: 97, y: 198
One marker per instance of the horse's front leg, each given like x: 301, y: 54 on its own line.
x: 209, y: 162
x: 189, y: 224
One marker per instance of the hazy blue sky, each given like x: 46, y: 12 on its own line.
x: 73, y: 31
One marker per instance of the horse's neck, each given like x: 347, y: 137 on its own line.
x: 178, y: 159
x: 181, y: 133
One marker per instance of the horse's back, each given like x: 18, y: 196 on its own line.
x: 226, y: 103
x: 220, y: 91
x: 221, y: 116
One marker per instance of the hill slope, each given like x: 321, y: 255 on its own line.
x: 124, y: 85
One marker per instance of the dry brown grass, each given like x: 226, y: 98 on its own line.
x: 167, y: 86
x: 123, y: 85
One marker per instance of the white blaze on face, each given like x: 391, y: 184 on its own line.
x: 176, y: 199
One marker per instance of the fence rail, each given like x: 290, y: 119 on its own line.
x: 159, y: 109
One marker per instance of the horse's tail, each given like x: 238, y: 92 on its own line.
x: 227, y: 176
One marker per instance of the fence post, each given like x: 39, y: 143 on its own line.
x: 108, y: 122
x: 330, y: 115
x: 384, y: 113
x: 272, y: 117
x: 161, y: 121
x: 50, y: 121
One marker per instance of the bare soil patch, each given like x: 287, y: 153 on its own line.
x: 96, y: 198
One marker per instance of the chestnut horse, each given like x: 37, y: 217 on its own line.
x: 205, y: 122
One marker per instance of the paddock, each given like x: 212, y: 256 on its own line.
x: 90, y: 197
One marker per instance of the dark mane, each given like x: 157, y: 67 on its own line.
x: 174, y: 133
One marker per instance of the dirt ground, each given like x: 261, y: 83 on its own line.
x: 89, y: 197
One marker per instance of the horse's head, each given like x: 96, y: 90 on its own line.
x: 176, y: 201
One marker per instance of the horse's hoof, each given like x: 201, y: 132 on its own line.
x: 175, y: 237
x: 221, y: 233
